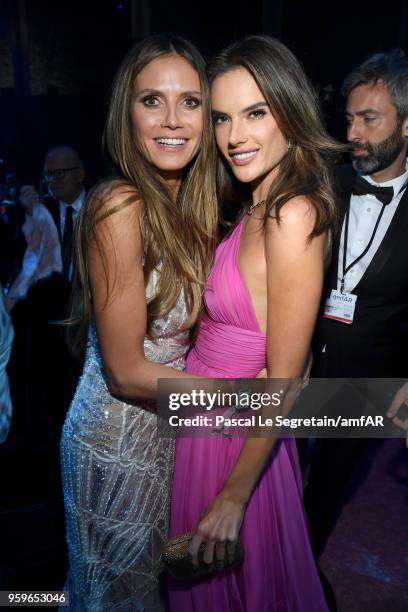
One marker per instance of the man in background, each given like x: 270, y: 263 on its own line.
x: 54, y: 371
x: 64, y: 175
x: 369, y: 267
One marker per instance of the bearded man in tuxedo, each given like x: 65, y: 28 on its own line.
x: 369, y: 267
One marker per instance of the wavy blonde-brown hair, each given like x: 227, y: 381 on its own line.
x: 179, y: 237
x: 306, y: 168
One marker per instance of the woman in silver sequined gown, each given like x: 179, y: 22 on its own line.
x: 117, y: 478
x: 116, y: 471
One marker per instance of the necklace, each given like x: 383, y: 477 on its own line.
x: 254, y: 206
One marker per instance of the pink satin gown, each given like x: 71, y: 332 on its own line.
x: 278, y: 573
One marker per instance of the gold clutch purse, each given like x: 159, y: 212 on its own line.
x: 177, y: 559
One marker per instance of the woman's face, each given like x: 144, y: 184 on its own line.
x: 167, y: 113
x: 245, y: 130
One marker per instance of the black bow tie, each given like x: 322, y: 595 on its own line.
x: 363, y: 187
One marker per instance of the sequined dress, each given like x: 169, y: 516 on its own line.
x: 117, y: 479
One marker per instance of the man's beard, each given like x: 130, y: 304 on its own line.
x: 380, y: 155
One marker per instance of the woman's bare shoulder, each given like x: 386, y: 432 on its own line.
x: 114, y: 196
x: 298, y: 209
x: 114, y: 191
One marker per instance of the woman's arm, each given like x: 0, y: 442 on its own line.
x: 294, y: 284
x: 119, y: 302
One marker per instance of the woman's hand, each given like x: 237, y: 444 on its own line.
x: 29, y: 198
x: 401, y: 397
x: 219, y: 527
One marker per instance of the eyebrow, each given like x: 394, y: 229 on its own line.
x: 248, y: 109
x: 366, y: 111
x: 157, y: 92
x: 253, y: 107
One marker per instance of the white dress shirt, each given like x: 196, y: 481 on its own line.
x: 43, y: 253
x: 364, y: 211
x: 42, y: 256
x: 77, y: 205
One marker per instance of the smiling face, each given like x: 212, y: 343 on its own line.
x: 245, y: 130
x: 377, y: 136
x: 167, y: 114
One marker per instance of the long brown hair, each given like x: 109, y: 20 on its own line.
x: 179, y: 238
x: 306, y: 167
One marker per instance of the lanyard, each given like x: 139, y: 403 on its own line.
x: 353, y: 263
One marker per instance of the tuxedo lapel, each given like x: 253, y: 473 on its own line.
x: 345, y: 178
x: 396, y: 234
x: 341, y: 211
x: 398, y: 226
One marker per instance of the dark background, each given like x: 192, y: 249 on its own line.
x: 57, y: 59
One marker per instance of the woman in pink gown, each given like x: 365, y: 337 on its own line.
x: 262, y: 298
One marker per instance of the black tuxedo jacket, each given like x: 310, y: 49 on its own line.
x: 372, y: 345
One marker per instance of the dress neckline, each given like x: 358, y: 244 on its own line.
x: 237, y: 245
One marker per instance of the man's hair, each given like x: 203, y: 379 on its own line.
x: 390, y: 68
